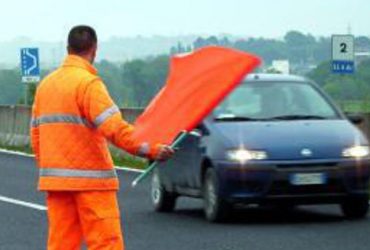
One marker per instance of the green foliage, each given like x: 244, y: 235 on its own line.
x: 135, y: 82
x: 31, y: 91
x: 321, y: 74
x: 13, y: 90
x: 11, y: 86
x: 268, y: 49
x: 145, y: 78
x: 24, y: 149
x: 296, y: 47
x: 129, y: 161
x: 112, y: 77
x: 351, y: 91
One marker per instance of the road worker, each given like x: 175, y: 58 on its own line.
x: 72, y: 117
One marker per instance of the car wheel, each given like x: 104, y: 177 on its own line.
x: 215, y: 208
x: 355, y: 207
x: 162, y: 200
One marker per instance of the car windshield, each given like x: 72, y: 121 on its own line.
x: 274, y: 101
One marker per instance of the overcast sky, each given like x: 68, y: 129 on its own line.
x: 50, y: 20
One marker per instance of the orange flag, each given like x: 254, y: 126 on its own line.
x: 196, y: 84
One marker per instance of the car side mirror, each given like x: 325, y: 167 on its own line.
x: 355, y: 118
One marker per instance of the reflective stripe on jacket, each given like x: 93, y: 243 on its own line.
x: 72, y: 117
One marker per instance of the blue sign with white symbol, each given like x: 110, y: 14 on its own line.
x: 30, y: 65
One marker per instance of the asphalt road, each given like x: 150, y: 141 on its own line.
x: 310, y: 227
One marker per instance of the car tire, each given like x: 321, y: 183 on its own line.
x: 215, y: 208
x: 355, y: 207
x: 162, y: 200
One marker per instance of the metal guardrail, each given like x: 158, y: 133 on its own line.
x: 14, y: 123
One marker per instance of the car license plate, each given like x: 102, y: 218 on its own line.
x: 307, y: 179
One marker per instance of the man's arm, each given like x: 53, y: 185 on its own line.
x: 104, y: 114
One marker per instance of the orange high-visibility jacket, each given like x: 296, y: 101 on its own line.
x: 72, y: 117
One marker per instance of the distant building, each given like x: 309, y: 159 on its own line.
x: 362, y: 56
x: 281, y: 66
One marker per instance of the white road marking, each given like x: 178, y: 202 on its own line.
x: 37, y: 206
x: 15, y: 153
x: 22, y: 203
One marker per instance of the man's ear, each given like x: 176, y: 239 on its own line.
x: 93, y: 53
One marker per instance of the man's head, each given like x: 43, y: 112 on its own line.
x: 82, y: 41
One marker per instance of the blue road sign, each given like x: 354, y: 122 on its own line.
x: 343, y: 67
x: 30, y: 64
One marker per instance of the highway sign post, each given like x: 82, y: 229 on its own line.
x: 30, y: 67
x: 343, y: 54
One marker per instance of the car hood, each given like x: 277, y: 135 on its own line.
x: 285, y: 140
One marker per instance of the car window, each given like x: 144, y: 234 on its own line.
x: 263, y: 100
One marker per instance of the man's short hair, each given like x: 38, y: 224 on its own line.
x: 81, y: 39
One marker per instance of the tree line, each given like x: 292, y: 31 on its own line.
x: 298, y: 48
x: 131, y: 84
x: 134, y: 83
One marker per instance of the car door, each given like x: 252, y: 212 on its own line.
x: 184, y: 168
x: 193, y: 159
x: 185, y: 161
x: 176, y: 171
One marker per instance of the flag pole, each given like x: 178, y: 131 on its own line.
x: 152, y: 166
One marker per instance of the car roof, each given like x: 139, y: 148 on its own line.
x: 274, y: 77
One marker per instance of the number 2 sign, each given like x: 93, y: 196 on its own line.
x: 343, y: 54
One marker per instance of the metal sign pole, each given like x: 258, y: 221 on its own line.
x: 26, y: 94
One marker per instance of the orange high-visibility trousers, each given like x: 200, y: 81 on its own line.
x: 90, y: 216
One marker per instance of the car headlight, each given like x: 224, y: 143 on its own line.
x: 244, y: 155
x: 356, y: 151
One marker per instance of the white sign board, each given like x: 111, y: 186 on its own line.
x: 281, y: 66
x: 343, y: 54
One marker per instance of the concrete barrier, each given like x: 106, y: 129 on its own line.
x: 14, y: 123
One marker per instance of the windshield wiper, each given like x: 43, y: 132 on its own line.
x: 236, y: 118
x: 298, y: 117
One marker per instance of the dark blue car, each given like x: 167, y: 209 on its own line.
x: 274, y: 140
